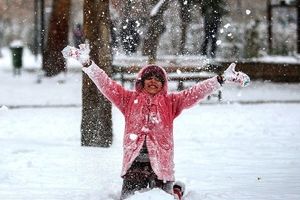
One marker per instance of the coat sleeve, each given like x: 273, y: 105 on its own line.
x: 112, y: 90
x: 189, y: 97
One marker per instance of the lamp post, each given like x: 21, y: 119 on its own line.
x: 39, y: 27
x: 36, y: 30
x: 269, y: 18
x: 298, y: 26
x: 42, y: 5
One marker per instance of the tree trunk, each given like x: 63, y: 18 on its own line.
x: 53, y: 61
x: 185, y: 16
x: 155, y: 29
x: 183, y: 27
x: 96, y: 123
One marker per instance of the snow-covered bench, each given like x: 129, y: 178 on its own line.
x: 181, y: 75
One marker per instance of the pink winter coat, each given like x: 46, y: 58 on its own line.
x: 150, y: 117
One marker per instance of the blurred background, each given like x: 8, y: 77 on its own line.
x: 242, y: 143
x: 244, y: 31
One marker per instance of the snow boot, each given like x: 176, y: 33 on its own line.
x: 178, y: 190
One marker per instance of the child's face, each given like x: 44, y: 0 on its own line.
x: 152, y: 85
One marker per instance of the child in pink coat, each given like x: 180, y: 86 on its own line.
x: 149, y: 111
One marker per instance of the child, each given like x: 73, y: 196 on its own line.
x: 149, y: 111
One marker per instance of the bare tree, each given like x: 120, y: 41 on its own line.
x: 155, y: 29
x: 185, y: 16
x: 96, y: 123
x: 53, y: 61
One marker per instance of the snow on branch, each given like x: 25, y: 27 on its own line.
x: 156, y: 8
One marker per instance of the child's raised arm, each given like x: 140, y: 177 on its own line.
x: 194, y: 94
x: 112, y: 90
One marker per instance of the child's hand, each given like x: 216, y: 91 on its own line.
x: 81, y: 54
x: 230, y: 75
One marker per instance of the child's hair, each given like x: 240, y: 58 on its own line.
x: 153, y: 70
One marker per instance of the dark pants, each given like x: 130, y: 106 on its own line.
x: 210, y: 35
x: 141, y: 176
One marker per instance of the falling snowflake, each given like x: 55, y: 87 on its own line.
x: 227, y: 25
x: 137, y: 23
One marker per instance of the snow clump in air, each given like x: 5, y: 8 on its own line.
x: 133, y: 136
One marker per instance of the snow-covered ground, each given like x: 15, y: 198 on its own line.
x: 246, y: 147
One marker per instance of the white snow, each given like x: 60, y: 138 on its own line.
x: 227, y: 25
x: 246, y: 147
x: 151, y: 195
x: 133, y: 136
x: 16, y: 43
x: 156, y: 8
x: 248, y: 12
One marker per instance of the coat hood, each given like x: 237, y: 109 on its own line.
x: 154, y: 70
